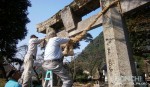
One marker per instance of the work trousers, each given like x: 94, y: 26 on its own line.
x: 59, y: 70
x: 27, y: 73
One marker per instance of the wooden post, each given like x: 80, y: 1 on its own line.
x: 120, y: 66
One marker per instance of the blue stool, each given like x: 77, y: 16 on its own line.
x: 49, y: 79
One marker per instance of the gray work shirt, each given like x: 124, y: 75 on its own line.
x: 53, y: 49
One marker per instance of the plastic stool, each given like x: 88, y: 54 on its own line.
x: 49, y: 79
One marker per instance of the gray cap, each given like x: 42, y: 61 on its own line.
x: 33, y: 36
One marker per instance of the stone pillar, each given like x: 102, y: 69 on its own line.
x: 48, y: 29
x: 69, y: 19
x: 118, y: 56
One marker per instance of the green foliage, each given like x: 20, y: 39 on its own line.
x: 81, y: 78
x: 13, y: 20
x: 91, y: 58
x: 140, y: 64
x: 138, y: 23
x: 139, y: 30
x: 87, y: 38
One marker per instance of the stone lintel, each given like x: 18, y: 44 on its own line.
x: 48, y: 29
x: 51, y: 21
x: 126, y: 5
x: 84, y: 24
x: 77, y: 6
x: 63, y: 33
x: 41, y: 29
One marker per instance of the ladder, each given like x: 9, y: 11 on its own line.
x: 48, y: 79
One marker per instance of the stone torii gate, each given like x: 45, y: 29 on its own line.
x: 68, y: 23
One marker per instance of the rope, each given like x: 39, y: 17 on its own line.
x: 119, y: 5
x: 69, y: 46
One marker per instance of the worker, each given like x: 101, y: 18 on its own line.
x: 13, y: 76
x: 53, y: 58
x: 29, y: 60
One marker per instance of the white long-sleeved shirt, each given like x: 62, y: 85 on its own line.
x: 32, y: 47
x: 53, y: 49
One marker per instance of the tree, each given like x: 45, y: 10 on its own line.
x: 139, y: 30
x: 13, y: 20
x: 87, y: 38
x: 91, y: 58
x: 138, y: 23
x: 21, y: 51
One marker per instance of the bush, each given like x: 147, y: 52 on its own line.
x: 82, y: 78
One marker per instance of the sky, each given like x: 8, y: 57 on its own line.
x: 41, y: 10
